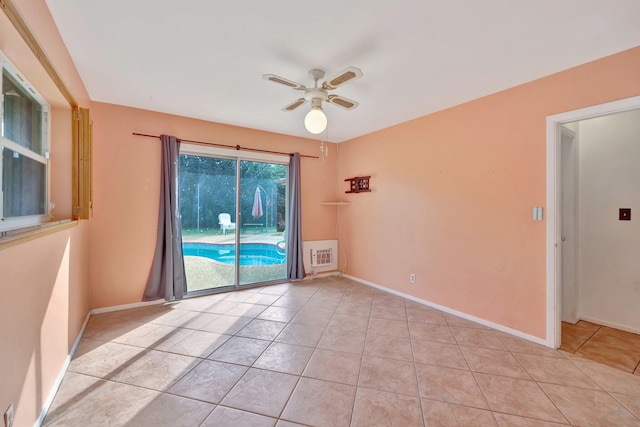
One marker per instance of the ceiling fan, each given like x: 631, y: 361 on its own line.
x: 315, y: 121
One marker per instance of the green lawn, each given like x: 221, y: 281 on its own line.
x: 203, y: 273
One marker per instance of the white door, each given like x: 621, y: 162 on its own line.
x: 569, y: 219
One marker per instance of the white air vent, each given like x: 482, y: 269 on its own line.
x: 321, y: 257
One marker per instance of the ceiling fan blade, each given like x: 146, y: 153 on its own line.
x: 343, y: 77
x: 343, y: 102
x: 283, y: 81
x: 295, y: 104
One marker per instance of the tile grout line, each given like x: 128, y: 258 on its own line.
x: 536, y: 382
x: 473, y: 374
x: 248, y: 367
x: 587, y: 340
x: 606, y: 334
x: 300, y: 376
x: 624, y: 406
x: 415, y: 368
x: 215, y: 405
x: 353, y: 407
x: 600, y: 388
x: 554, y: 404
x: 357, y: 385
x: 235, y: 364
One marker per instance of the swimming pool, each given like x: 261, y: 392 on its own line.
x: 251, y: 254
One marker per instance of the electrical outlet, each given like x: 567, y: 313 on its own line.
x: 8, y: 417
x: 412, y: 278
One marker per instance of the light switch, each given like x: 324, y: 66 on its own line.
x: 536, y: 213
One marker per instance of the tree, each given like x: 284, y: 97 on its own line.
x: 207, y: 188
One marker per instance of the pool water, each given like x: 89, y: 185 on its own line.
x: 251, y: 254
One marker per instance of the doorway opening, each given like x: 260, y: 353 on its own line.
x: 562, y: 253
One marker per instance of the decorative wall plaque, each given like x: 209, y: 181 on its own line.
x: 358, y: 184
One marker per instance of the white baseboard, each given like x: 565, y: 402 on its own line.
x: 63, y: 371
x: 310, y: 276
x: 126, y: 306
x: 484, y: 322
x: 613, y: 325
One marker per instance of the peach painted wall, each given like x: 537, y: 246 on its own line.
x: 126, y: 191
x: 44, y: 304
x: 44, y: 282
x: 453, y: 192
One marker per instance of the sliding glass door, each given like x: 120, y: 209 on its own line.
x: 233, y: 215
x: 262, y: 215
x: 208, y: 210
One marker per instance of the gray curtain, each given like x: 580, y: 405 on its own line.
x: 167, y: 277
x: 295, y: 267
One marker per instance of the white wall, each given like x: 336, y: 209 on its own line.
x: 609, y: 252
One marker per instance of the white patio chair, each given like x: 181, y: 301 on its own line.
x: 224, y: 219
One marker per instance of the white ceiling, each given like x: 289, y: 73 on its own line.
x: 205, y: 59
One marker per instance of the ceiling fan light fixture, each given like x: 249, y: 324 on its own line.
x: 315, y: 121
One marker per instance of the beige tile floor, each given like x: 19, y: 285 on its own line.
x: 328, y: 352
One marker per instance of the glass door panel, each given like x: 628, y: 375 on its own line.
x: 208, y: 212
x: 262, y: 220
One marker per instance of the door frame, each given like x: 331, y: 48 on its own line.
x: 553, y: 229
x: 237, y: 156
x: 569, y: 181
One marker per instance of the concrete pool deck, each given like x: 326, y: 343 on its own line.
x: 229, y: 238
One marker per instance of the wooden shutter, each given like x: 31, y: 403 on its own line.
x: 82, y: 163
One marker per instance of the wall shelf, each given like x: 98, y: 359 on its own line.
x: 338, y: 203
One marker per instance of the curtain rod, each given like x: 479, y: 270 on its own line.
x: 237, y: 147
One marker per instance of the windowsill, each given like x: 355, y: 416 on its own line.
x: 43, y: 230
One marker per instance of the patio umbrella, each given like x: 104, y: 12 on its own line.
x: 257, y: 211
